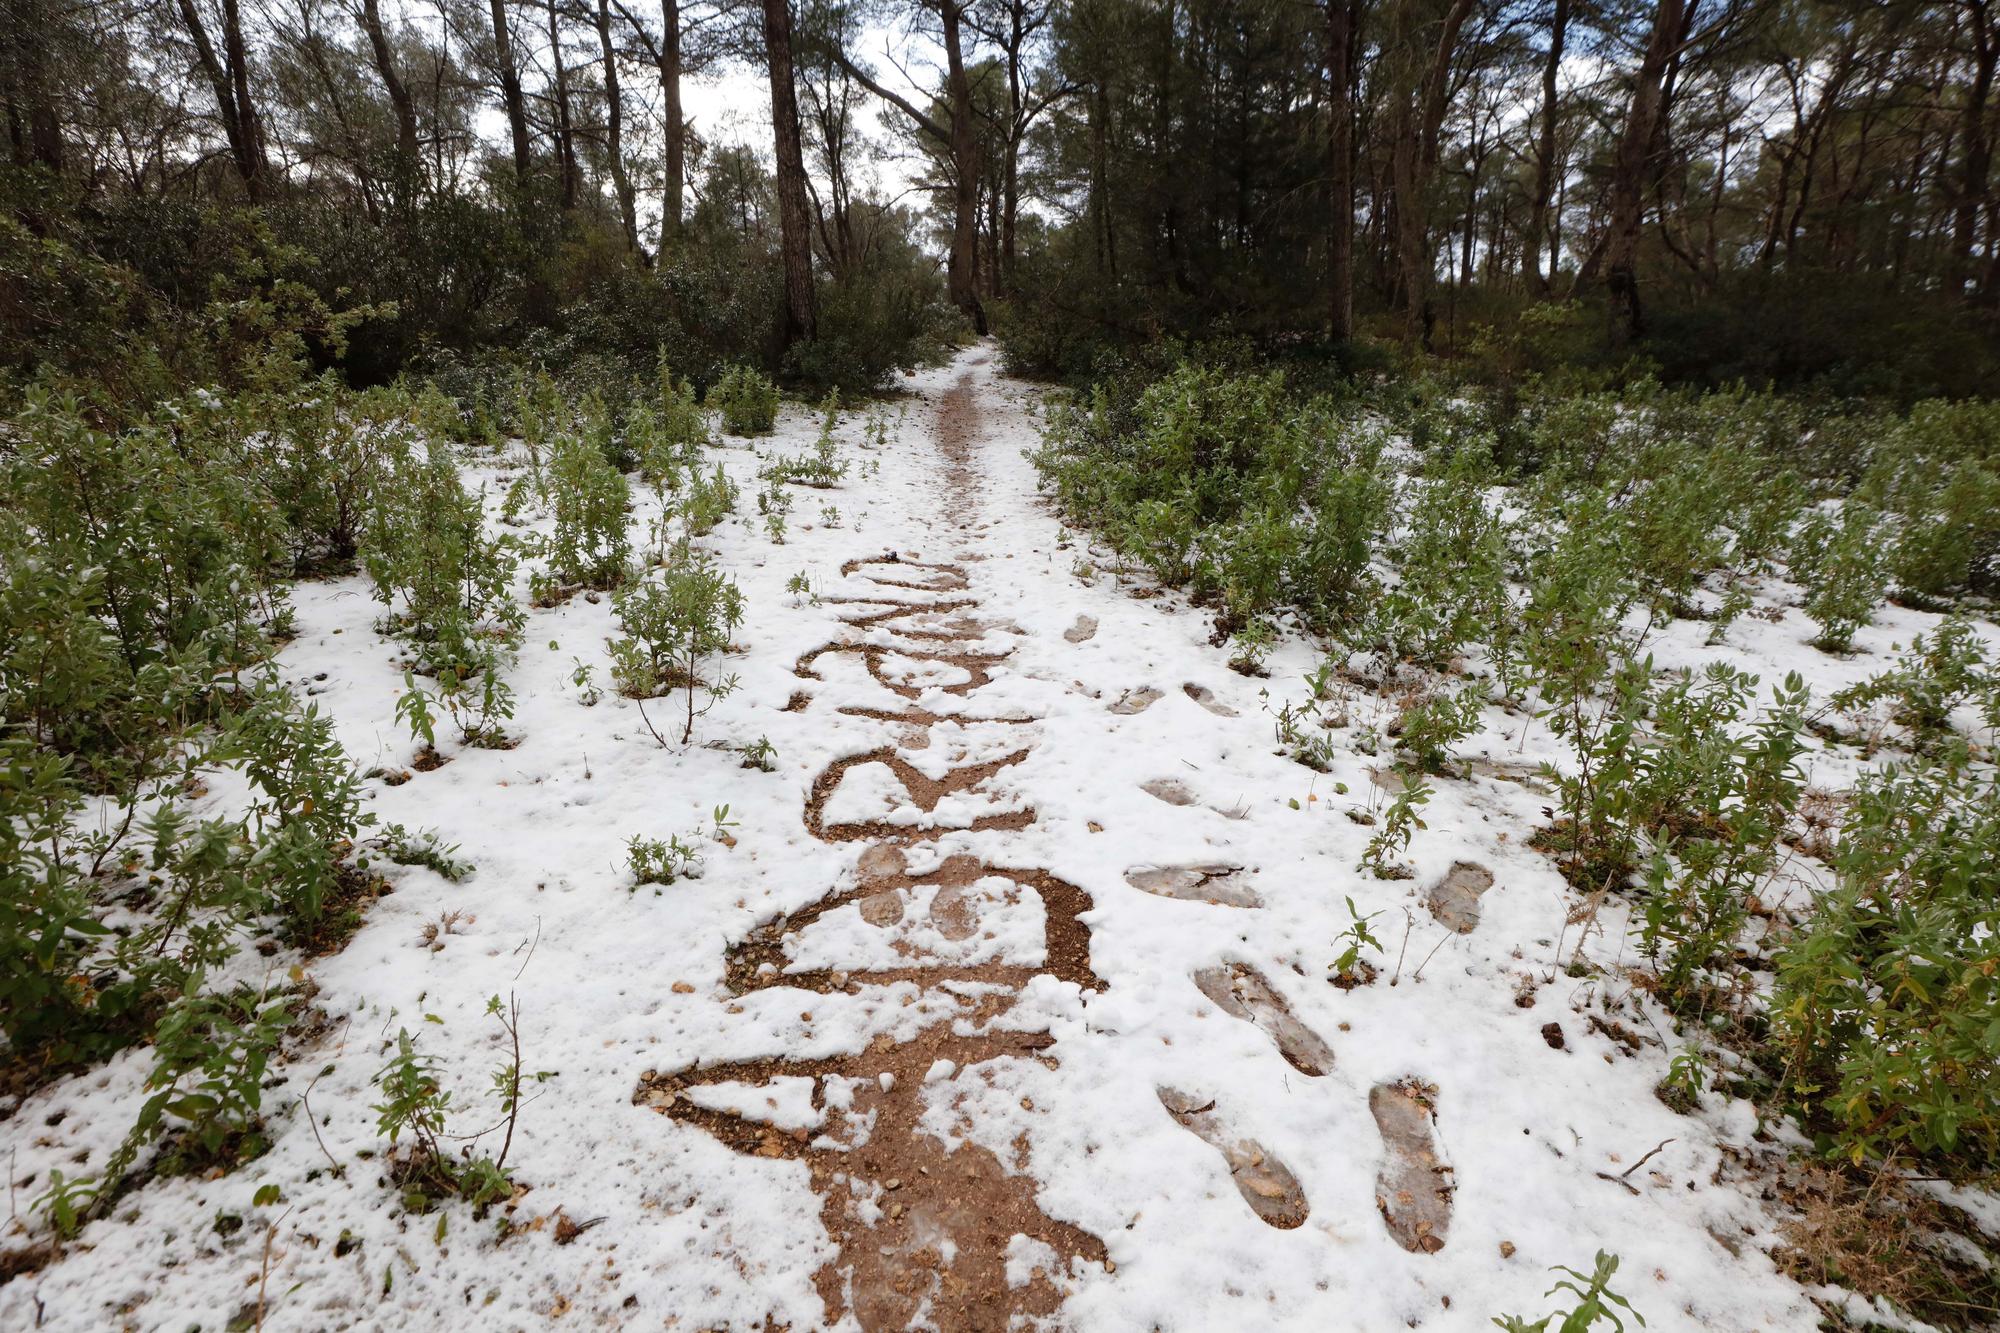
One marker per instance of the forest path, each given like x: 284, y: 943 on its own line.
x: 926, y: 1233
x: 1072, y: 918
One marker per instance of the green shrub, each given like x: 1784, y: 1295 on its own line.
x: 1885, y: 995
x: 1433, y: 724
x: 1451, y: 586
x: 589, y: 546
x: 1711, y: 799
x: 310, y: 809
x: 657, y: 862
x: 673, y: 621
x: 1940, y: 673
x: 210, y: 1053
x: 1842, y: 565
x: 447, y: 584
x: 747, y: 401
x: 59, y: 1001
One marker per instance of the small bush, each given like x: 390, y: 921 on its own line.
x: 589, y: 546
x: 747, y: 401
x: 1885, y: 995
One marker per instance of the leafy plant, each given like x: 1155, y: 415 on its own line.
x: 1842, y: 565
x: 588, y: 498
x: 1595, y: 1304
x: 1399, y: 824
x: 655, y: 862
x: 210, y: 1053
x: 747, y: 401
x: 447, y: 585
x: 1356, y: 937
x: 424, y: 848
x: 1885, y: 994
x: 1434, y: 723
x: 672, y: 622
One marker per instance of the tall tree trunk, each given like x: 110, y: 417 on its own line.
x: 1339, y: 57
x: 960, y: 140
x: 237, y: 53
x: 33, y: 123
x: 567, y: 171
x: 794, y: 224
x: 1417, y: 121
x: 672, y: 207
x: 961, y: 271
x: 223, y: 80
x: 614, y: 130
x: 407, y: 158
x: 1629, y: 166
x: 1977, y: 135
x: 510, y: 96
x: 1100, y: 177
x: 1545, y: 159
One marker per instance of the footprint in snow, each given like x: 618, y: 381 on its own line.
x: 1222, y: 885
x: 1084, y: 627
x: 1171, y: 790
x: 1454, y: 900
x: 1265, y: 1183
x: 1204, y: 696
x: 1136, y: 701
x: 1241, y: 991
x: 1413, y: 1189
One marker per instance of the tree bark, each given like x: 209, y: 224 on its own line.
x: 1545, y: 160
x: 794, y: 226
x: 614, y: 130
x: 1418, y: 119
x: 226, y: 77
x: 673, y: 207
x: 666, y: 57
x: 407, y: 159
x: 1628, y: 173
x: 1977, y: 164
x: 33, y: 122
x: 1339, y: 56
x: 962, y: 269
x: 510, y: 96
x: 568, y: 174
x: 960, y: 140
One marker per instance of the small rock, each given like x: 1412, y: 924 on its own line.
x: 1506, y: 1249
x: 683, y: 988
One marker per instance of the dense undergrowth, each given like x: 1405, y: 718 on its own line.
x: 180, y: 830
x: 1454, y: 543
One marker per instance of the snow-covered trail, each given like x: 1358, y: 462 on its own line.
x: 1003, y: 999
x: 1131, y: 1099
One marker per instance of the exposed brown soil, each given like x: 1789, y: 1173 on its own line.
x: 924, y: 791
x: 759, y: 960
x: 1204, y: 696
x: 922, y: 1229
x: 956, y: 425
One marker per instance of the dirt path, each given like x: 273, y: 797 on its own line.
x: 924, y: 1232
x: 1050, y: 1032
